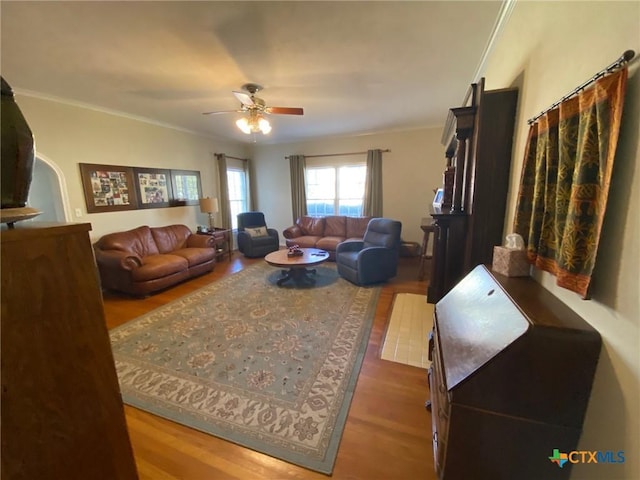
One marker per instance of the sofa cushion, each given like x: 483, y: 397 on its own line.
x: 263, y: 241
x: 305, y: 241
x: 335, y: 226
x: 171, y: 237
x: 138, y: 241
x: 195, y: 256
x: 356, y: 226
x: 329, y: 243
x: 158, y: 266
x: 311, y: 225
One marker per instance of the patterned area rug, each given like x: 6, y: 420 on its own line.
x: 270, y: 368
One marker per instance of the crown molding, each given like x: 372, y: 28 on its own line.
x: 498, y: 27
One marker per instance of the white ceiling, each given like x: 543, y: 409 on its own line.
x: 355, y: 67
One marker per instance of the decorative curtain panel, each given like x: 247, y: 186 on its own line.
x: 372, y: 203
x: 298, y: 188
x: 565, y: 181
x: 225, y: 207
x: 251, y: 204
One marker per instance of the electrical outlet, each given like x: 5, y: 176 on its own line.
x: 78, y: 212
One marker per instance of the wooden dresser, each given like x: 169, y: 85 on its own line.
x: 510, y: 380
x: 62, y: 414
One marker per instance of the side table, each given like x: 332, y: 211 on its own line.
x: 428, y: 229
x: 222, y: 238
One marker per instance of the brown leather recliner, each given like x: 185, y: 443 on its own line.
x: 148, y: 259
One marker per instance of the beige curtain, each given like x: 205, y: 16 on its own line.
x: 225, y: 208
x: 372, y: 204
x: 251, y: 205
x: 298, y: 187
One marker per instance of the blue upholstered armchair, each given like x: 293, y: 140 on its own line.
x: 254, y: 238
x: 375, y: 258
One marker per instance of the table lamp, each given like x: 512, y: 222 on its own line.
x: 210, y: 206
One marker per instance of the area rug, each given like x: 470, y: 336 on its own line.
x: 266, y: 367
x: 406, y: 339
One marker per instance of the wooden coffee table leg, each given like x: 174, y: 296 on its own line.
x: 298, y: 275
x: 286, y: 275
x: 304, y: 275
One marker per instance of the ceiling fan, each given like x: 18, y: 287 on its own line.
x: 256, y: 107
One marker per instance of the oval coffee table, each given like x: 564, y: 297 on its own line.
x: 297, y: 266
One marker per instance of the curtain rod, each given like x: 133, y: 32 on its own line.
x: 338, y: 154
x: 624, y: 58
x: 233, y: 158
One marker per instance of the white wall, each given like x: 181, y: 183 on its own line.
x: 547, y: 49
x: 68, y: 135
x: 411, y: 171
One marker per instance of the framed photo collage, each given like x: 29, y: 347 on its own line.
x: 113, y: 188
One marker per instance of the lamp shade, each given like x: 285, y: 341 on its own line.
x: 209, y: 205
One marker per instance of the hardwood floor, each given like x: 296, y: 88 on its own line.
x: 387, y: 434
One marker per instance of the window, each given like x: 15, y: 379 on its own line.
x: 321, y: 191
x: 237, y: 181
x: 335, y: 190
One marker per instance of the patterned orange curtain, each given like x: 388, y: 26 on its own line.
x: 565, y: 181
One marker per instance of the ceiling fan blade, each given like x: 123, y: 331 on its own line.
x: 244, y: 98
x: 285, y: 110
x: 222, y: 111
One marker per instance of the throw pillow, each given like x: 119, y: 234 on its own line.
x: 256, y: 231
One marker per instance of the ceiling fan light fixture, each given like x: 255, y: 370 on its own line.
x: 264, y: 126
x: 254, y: 124
x: 256, y: 108
x: 243, y: 124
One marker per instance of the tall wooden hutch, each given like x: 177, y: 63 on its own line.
x: 478, y: 158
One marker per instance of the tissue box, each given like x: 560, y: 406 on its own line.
x: 510, y: 262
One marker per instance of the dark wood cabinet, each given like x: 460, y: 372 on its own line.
x: 510, y: 380
x: 62, y: 413
x: 481, y: 146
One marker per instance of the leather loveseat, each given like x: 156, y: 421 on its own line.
x: 148, y: 259
x: 325, y: 233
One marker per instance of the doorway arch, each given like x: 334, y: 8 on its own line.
x: 48, y: 192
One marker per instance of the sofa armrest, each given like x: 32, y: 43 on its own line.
x: 349, y: 246
x: 115, y: 259
x: 244, y: 241
x: 382, y: 254
x: 292, y: 232
x: 200, y: 241
x: 274, y: 234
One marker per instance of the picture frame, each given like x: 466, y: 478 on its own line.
x: 153, y: 187
x: 438, y: 198
x: 187, y: 189
x: 108, y: 188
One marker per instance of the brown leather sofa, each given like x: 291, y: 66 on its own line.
x: 325, y: 233
x: 148, y: 259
